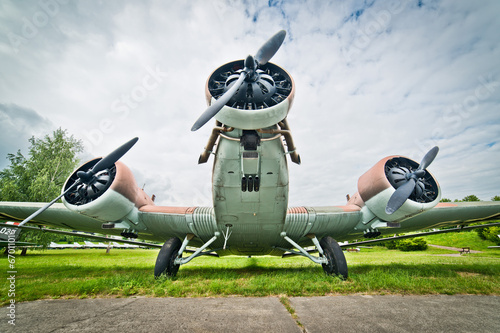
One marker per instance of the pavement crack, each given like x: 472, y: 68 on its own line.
x: 291, y: 310
x: 100, y: 314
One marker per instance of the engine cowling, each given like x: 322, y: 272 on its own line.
x: 110, y: 196
x: 378, y: 184
x: 259, y: 103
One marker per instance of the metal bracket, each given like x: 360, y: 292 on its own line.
x: 316, y: 243
x: 227, y: 234
x: 198, y: 252
x: 129, y: 233
x: 185, y: 243
x: 303, y: 252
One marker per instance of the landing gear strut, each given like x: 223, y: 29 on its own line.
x: 330, y: 257
x: 170, y: 256
x: 337, y: 265
x: 165, y: 262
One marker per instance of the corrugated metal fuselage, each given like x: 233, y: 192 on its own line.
x: 250, y: 192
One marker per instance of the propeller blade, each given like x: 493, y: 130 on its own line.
x: 399, y: 197
x: 218, y: 104
x: 115, y: 155
x: 42, y: 209
x: 428, y: 158
x: 269, y: 49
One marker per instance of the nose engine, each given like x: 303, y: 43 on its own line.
x: 262, y: 100
x: 251, y: 93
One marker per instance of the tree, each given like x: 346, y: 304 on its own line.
x: 41, y: 176
x: 471, y: 197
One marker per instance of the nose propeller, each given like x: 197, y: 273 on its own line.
x: 263, y: 55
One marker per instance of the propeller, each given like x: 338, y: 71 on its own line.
x: 263, y: 55
x: 411, y: 179
x: 107, y: 162
x: 89, y: 176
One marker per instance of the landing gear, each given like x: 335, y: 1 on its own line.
x: 337, y: 265
x: 330, y: 257
x: 165, y: 262
x: 170, y: 256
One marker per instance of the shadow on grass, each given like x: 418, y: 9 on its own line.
x: 255, y: 267
x: 249, y: 270
x: 141, y: 264
x: 426, y: 270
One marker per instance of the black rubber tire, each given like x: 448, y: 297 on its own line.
x: 337, y: 265
x: 165, y: 260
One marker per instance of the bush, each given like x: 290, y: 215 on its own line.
x: 391, y: 245
x: 490, y: 233
x: 412, y: 244
x: 409, y: 244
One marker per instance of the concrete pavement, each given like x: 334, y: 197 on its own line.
x: 267, y: 314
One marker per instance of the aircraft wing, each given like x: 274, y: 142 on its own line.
x: 351, y: 222
x: 156, y: 223
x: 451, y: 214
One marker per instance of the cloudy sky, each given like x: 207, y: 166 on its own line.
x: 373, y: 78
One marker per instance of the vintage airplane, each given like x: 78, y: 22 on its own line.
x: 250, y: 100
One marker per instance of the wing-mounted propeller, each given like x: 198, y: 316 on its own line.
x: 260, y: 85
x: 91, y: 182
x: 410, y: 183
x: 96, y: 180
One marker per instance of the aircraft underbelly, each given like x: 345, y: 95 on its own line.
x: 250, y: 194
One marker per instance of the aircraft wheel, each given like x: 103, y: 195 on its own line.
x: 165, y: 260
x: 337, y: 265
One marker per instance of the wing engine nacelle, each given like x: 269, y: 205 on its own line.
x: 261, y: 101
x: 109, y: 196
x: 378, y: 184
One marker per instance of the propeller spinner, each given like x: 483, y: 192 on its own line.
x: 249, y: 73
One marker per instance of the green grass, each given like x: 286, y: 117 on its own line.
x: 122, y: 273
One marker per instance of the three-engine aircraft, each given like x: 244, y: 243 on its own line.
x: 250, y: 100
